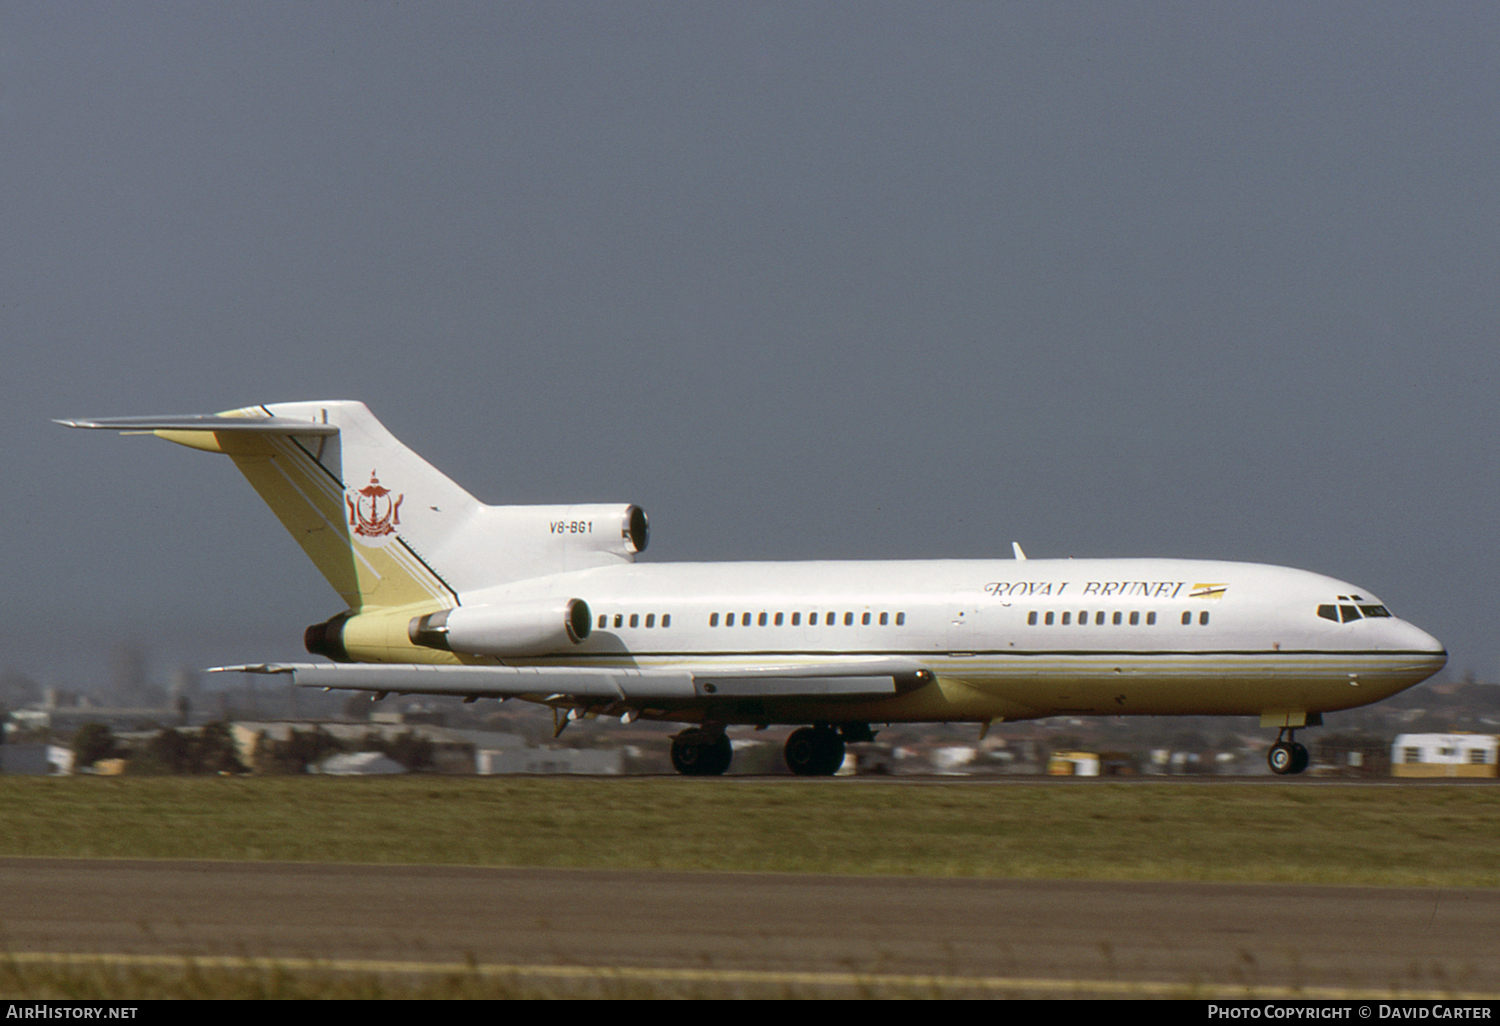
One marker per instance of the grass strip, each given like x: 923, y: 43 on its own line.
x: 148, y: 977
x: 1422, y: 835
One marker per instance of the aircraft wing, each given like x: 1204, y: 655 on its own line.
x: 861, y: 679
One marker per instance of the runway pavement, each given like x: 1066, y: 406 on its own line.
x: 803, y: 932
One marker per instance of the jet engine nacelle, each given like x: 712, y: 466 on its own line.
x: 618, y: 530
x: 505, y: 629
x: 503, y: 544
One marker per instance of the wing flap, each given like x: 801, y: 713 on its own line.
x: 797, y: 687
x: 847, y: 679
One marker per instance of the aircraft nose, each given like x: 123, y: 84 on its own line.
x: 1411, y: 638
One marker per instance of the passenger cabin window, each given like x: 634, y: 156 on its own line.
x: 771, y: 619
x: 650, y: 619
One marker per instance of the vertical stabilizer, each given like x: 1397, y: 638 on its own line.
x: 362, y: 505
x: 359, y: 503
x: 384, y: 527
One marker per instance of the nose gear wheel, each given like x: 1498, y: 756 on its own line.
x: 1287, y: 756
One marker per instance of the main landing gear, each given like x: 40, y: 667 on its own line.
x: 814, y: 751
x: 702, y: 751
x: 818, y: 751
x: 1288, y: 755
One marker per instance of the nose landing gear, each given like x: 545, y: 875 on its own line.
x: 1288, y: 755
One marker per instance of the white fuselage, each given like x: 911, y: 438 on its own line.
x: 1006, y: 639
x: 579, y: 624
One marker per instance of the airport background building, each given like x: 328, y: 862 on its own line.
x: 1444, y: 755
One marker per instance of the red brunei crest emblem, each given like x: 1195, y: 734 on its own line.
x: 374, y: 512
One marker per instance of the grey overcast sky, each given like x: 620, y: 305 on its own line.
x: 803, y: 279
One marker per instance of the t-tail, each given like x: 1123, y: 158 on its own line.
x: 395, y: 537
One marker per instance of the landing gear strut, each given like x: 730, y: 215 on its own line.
x: 701, y: 752
x: 815, y: 751
x: 1287, y: 756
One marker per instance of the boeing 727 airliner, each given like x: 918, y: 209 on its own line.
x: 448, y: 596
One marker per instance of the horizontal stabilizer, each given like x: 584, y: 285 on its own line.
x: 622, y: 684
x: 206, y: 422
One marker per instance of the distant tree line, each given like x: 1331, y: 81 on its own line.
x: 304, y: 749
x: 211, y: 750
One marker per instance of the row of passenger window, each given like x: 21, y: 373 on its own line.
x: 1119, y: 617
x: 1337, y: 613
x: 635, y: 620
x: 828, y: 619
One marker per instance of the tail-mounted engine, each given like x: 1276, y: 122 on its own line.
x: 618, y: 530
x: 503, y: 544
x: 327, y: 639
x: 505, y: 630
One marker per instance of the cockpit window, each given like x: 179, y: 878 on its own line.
x: 1346, y: 613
